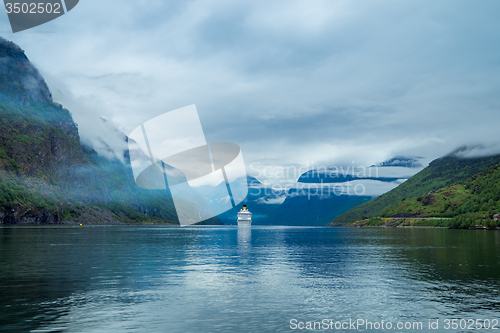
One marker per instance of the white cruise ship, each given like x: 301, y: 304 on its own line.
x: 244, y: 216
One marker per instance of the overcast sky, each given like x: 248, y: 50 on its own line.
x: 291, y: 82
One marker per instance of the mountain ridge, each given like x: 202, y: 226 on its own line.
x: 440, y: 173
x: 47, y: 175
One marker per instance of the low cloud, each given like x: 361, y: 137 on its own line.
x: 330, y: 82
x: 90, y: 113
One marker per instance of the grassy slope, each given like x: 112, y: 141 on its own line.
x: 442, y: 203
x: 461, y: 205
x: 440, y: 173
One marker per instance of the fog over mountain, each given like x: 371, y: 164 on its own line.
x: 320, y: 83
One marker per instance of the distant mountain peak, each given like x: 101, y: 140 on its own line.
x: 463, y: 150
x: 19, y: 78
x: 401, y: 161
x: 253, y: 181
x: 474, y: 151
x: 13, y: 48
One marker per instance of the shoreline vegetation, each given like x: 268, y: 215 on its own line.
x: 473, y: 203
x: 465, y: 189
x: 412, y: 222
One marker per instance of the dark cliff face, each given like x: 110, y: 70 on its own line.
x: 18, y: 215
x: 46, y: 175
x: 40, y: 147
x: 37, y: 137
x: 39, y: 144
x: 19, y: 78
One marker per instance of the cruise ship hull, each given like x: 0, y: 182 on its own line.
x: 244, y: 222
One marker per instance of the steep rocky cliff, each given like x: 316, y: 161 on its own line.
x: 46, y: 175
x: 37, y: 135
x: 19, y: 78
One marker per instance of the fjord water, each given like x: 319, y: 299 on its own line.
x: 250, y: 279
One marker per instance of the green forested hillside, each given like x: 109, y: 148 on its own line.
x: 440, y: 173
x: 46, y: 175
x: 467, y: 204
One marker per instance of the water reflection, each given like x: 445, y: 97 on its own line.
x: 244, y: 239
x: 227, y: 279
x: 459, y: 267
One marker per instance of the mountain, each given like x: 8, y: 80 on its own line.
x: 317, y: 198
x: 47, y: 175
x: 306, y: 208
x: 461, y: 205
x: 402, y: 161
x: 293, y: 207
x: 439, y: 174
x: 320, y: 195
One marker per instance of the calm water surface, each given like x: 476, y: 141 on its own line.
x: 230, y: 279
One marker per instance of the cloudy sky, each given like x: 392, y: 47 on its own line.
x: 292, y: 82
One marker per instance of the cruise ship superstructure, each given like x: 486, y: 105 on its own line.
x: 244, y: 216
